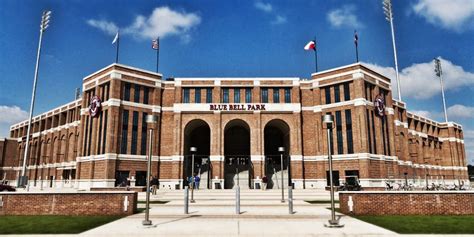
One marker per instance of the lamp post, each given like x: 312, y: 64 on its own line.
x: 151, y: 120
x: 44, y: 24
x: 193, y: 150
x: 281, y: 150
x: 387, y: 9
x: 328, y: 120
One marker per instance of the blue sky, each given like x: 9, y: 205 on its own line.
x: 238, y: 38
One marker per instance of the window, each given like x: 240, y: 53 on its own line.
x: 126, y: 92
x: 327, y: 92
x: 123, y: 144
x: 104, y: 140
x: 373, y: 133
x: 369, y: 134
x: 368, y: 91
x: 186, y: 95
x: 383, y: 137
x: 136, y: 97
x: 90, y: 137
x: 146, y: 95
x: 208, y: 95
x: 133, y: 149
x: 100, y: 134
x: 85, y: 135
x: 225, y: 95
x: 144, y: 135
x: 335, y: 178
x: 287, y: 95
x: 350, y: 144
x: 347, y: 92
x: 236, y: 95
x: 337, y: 94
x: 264, y: 95
x: 340, y: 149
x: 248, y: 95
x: 197, y: 95
x: 276, y: 95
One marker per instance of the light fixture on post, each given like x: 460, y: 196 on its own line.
x: 192, y: 150
x: 328, y: 120
x: 281, y: 150
x: 44, y: 24
x: 439, y: 73
x: 387, y: 9
x: 151, y: 120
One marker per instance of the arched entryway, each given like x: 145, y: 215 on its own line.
x: 237, y: 165
x: 197, y: 133
x: 276, y: 134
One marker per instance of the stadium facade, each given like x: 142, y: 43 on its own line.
x: 237, y: 126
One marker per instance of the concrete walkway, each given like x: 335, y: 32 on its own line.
x: 213, y: 214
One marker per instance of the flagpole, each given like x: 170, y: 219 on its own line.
x: 157, y: 54
x: 118, y: 45
x: 356, y: 43
x: 315, y: 54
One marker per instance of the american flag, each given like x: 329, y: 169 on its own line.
x: 356, y: 38
x: 155, y: 44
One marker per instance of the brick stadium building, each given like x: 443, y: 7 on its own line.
x: 237, y: 125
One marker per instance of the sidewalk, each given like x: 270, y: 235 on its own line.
x: 213, y: 214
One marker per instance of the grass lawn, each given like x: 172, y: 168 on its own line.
x: 423, y: 224
x: 321, y: 201
x: 153, y: 202
x: 51, y: 224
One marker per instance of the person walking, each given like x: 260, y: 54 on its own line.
x: 197, y: 180
x: 154, y: 184
x: 264, y: 182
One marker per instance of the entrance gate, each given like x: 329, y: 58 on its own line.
x: 237, y: 172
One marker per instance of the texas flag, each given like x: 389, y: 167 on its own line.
x: 311, y: 45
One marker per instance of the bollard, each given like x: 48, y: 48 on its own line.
x: 237, y: 200
x: 186, y: 200
x: 290, y: 199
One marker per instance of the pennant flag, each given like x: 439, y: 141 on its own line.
x: 155, y: 44
x: 116, y: 38
x: 311, y: 45
x: 356, y: 38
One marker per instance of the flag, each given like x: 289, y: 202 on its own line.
x: 311, y: 45
x: 116, y: 38
x: 356, y: 38
x: 155, y: 44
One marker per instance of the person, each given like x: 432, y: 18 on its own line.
x: 197, y: 179
x: 190, y: 182
x: 264, y: 182
x: 154, y: 184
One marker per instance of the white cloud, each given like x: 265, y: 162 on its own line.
x: 469, y: 145
x: 344, y: 17
x: 266, y: 7
x: 420, y: 82
x: 162, y: 22
x: 423, y: 113
x: 10, y: 115
x: 460, y: 111
x: 279, y: 20
x: 106, y: 26
x: 449, y: 14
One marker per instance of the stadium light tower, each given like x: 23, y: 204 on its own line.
x: 439, y: 73
x: 44, y: 24
x: 387, y: 9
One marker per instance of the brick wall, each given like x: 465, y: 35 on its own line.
x: 84, y: 204
x: 408, y: 203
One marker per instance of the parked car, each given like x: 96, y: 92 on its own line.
x: 6, y: 187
